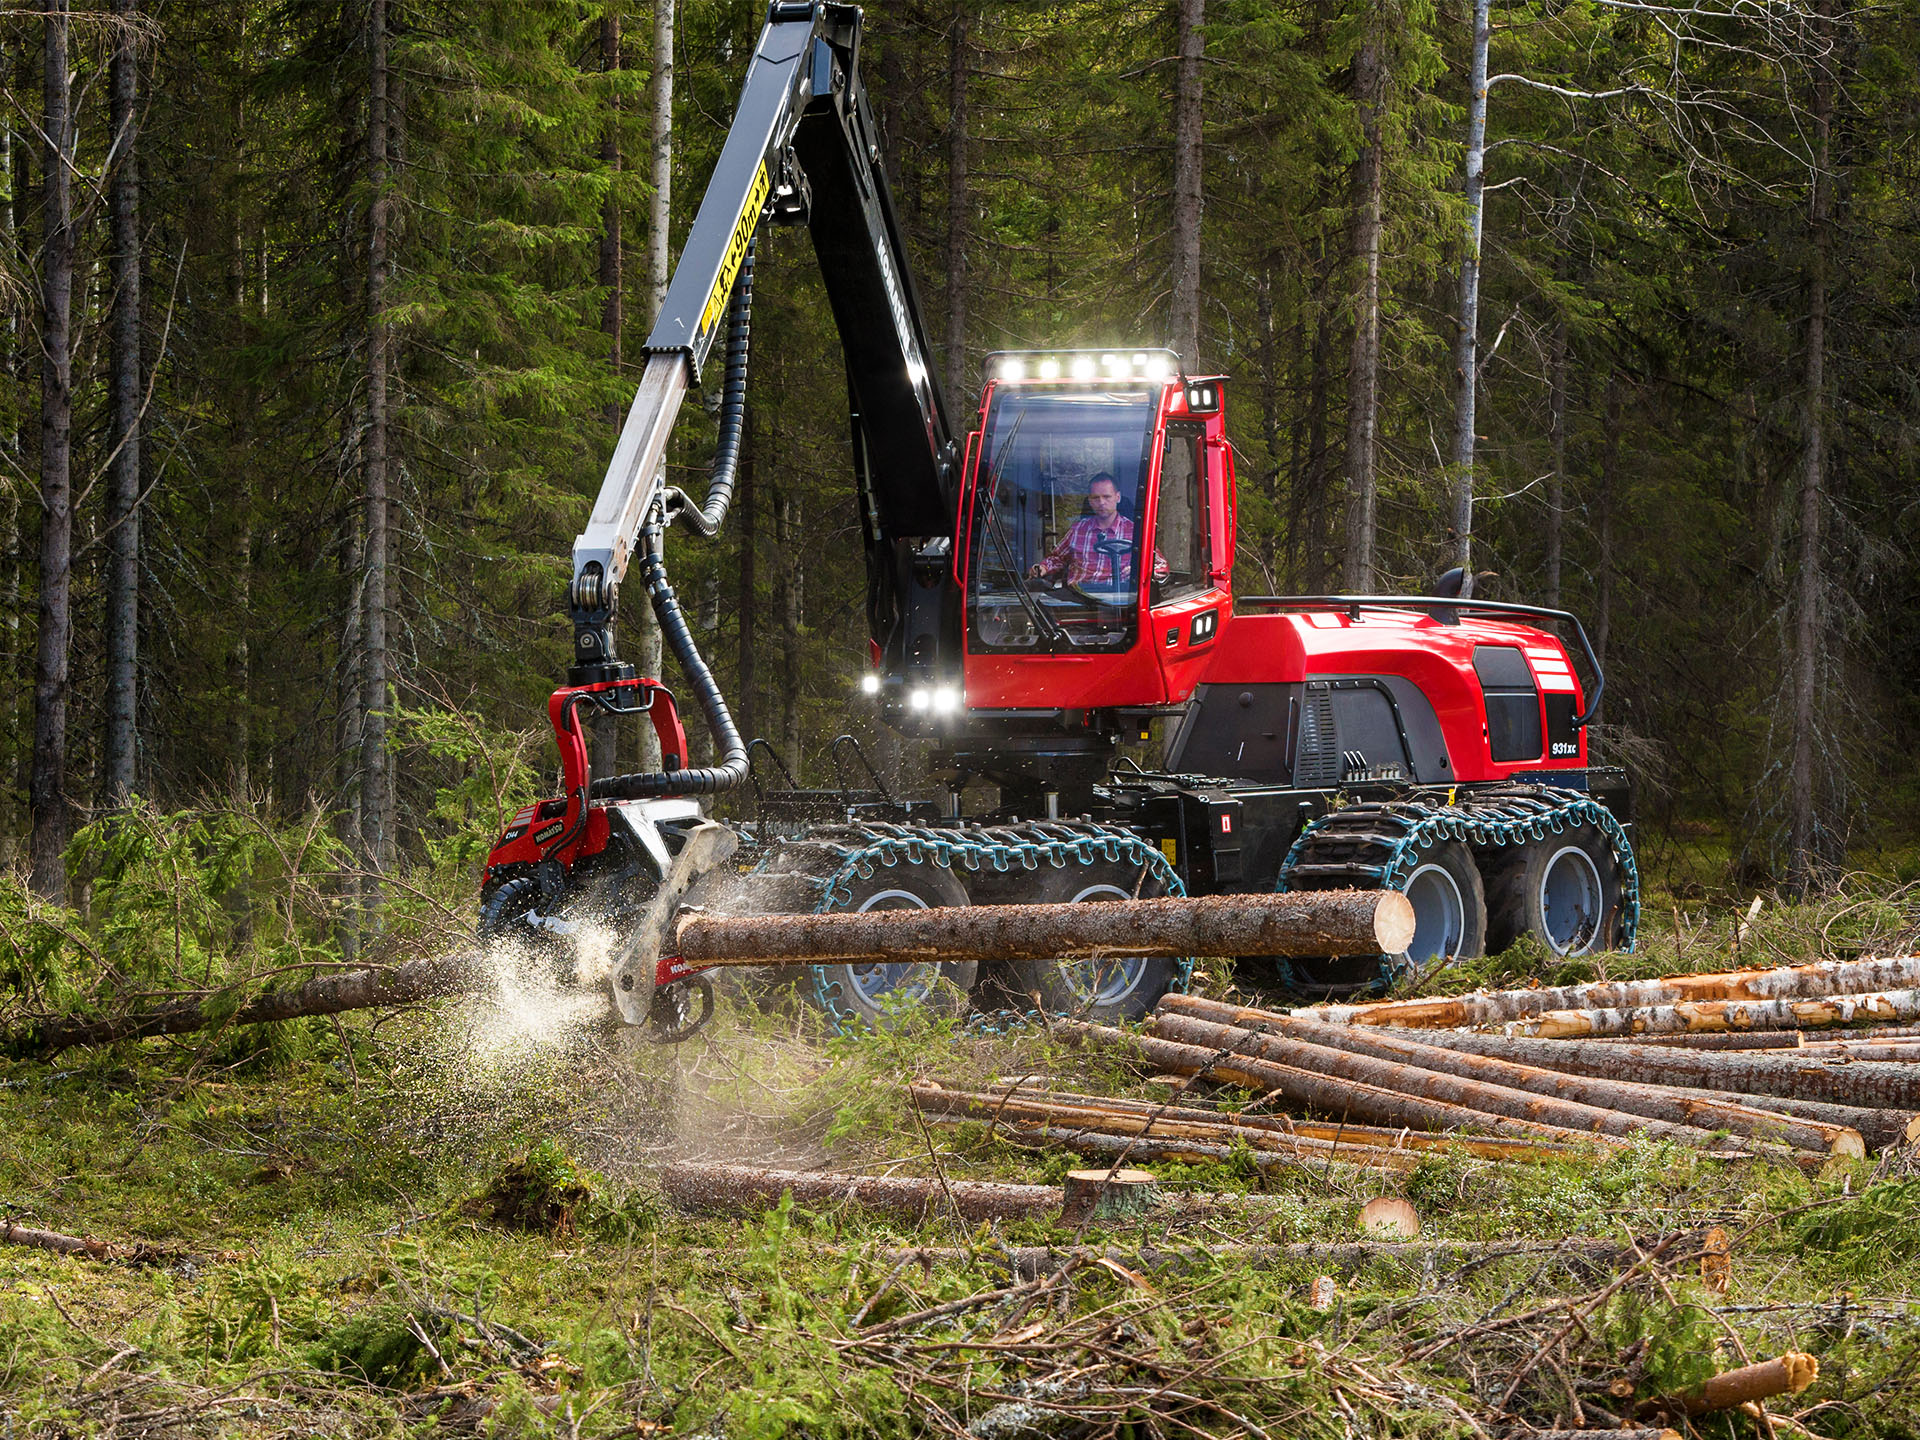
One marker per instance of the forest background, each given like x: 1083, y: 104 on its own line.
x: 320, y: 318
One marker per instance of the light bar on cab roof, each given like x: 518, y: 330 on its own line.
x: 1013, y: 367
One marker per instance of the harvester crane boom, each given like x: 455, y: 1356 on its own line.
x: 803, y: 147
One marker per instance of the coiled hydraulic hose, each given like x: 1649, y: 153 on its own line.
x: 702, y: 780
x: 706, y: 519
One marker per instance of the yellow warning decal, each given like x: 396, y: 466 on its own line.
x: 1171, y: 850
x: 743, y: 229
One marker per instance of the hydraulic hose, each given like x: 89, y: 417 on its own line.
x: 701, y: 780
x: 706, y: 519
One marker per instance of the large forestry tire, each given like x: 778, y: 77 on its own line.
x: 1450, y: 924
x: 1566, y: 889
x: 857, y: 996
x: 1105, y: 992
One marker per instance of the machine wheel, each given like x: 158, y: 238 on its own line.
x: 503, y: 905
x: 1450, y: 923
x: 856, y: 995
x: 1103, y: 991
x: 1567, y: 889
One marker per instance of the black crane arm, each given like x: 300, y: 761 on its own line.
x: 803, y: 147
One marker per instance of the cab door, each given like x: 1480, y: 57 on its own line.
x: 1188, y: 600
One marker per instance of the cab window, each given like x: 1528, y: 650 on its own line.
x: 1182, y: 533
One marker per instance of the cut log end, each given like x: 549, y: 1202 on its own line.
x: 1387, y: 1217
x: 1393, y: 923
x: 1104, y: 1195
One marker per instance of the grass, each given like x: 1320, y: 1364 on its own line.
x: 418, y: 1226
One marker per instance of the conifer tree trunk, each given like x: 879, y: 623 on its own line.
x: 605, y: 729
x: 747, y: 506
x: 789, y: 578
x: 123, y: 492
x: 1363, y: 383
x: 374, y: 776
x: 1466, y: 360
x: 1317, y: 522
x: 646, y: 630
x: 13, y: 175
x: 46, y: 794
x: 1804, y: 857
x: 1190, y: 48
x: 1557, y: 438
x: 959, y: 227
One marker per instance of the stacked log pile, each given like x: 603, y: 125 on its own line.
x: 1507, y: 1074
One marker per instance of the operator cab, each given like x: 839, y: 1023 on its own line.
x: 1096, y: 532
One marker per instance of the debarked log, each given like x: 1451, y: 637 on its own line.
x: 701, y: 1186
x: 1318, y: 1091
x: 1318, y: 922
x: 1793, y: 1074
x: 1479, y: 1095
x: 1648, y: 1101
x: 370, y: 989
x: 1494, y: 1007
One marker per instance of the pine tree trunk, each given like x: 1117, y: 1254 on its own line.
x: 1603, y: 531
x: 1557, y: 438
x: 374, y: 777
x: 1364, y: 373
x: 1190, y: 48
x: 1804, y: 857
x: 959, y: 227
x: 1466, y: 359
x: 605, y: 729
x: 12, y: 558
x: 1317, y: 522
x: 52, y: 817
x: 123, y: 493
x: 790, y: 580
x: 647, y: 654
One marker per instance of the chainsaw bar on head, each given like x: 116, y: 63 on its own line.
x: 1376, y: 844
x: 826, y: 859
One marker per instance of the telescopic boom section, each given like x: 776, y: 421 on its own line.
x: 803, y: 148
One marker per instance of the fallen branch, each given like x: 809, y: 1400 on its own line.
x: 137, y: 1253
x: 1789, y: 1374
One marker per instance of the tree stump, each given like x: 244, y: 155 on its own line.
x: 1090, y: 1194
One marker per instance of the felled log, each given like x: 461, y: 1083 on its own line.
x: 1191, y: 1151
x: 1878, y: 1128
x: 1328, y: 1094
x: 1316, y: 922
x: 1648, y: 1101
x: 1899, y: 1050
x: 1712, y: 1040
x: 1789, y: 1374
x: 1480, y: 1095
x: 1694, y: 1015
x: 140, y: 1252
x: 1610, y: 1434
x: 1794, y: 1075
x: 1497, y: 1007
x: 1308, y: 1137
x: 714, y: 1187
x: 378, y: 988
x: 1063, y: 1128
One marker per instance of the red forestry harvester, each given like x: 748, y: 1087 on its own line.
x: 1043, y: 585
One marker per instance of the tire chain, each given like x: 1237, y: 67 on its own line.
x: 826, y: 859
x: 1374, y: 844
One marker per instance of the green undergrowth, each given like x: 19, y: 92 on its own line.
x: 449, y: 1223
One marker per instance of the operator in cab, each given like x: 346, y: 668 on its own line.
x: 1079, y: 558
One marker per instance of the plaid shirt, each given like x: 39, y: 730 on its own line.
x: 1077, y: 558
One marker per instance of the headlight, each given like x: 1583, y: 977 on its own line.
x: 1012, y: 370
x: 1049, y: 369
x: 870, y: 683
x: 918, y: 700
x: 1083, y: 367
x: 946, y: 700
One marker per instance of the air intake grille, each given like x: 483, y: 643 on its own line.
x: 1316, y: 759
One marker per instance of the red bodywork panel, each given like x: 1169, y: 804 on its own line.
x: 1434, y: 655
x: 1164, y: 665
x: 531, y: 835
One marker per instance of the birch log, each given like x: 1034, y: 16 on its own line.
x: 1499, y: 1007
x: 1648, y: 1101
x: 1710, y: 1015
x: 1488, y: 1098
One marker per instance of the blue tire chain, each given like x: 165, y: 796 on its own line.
x: 859, y: 851
x: 1376, y: 844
